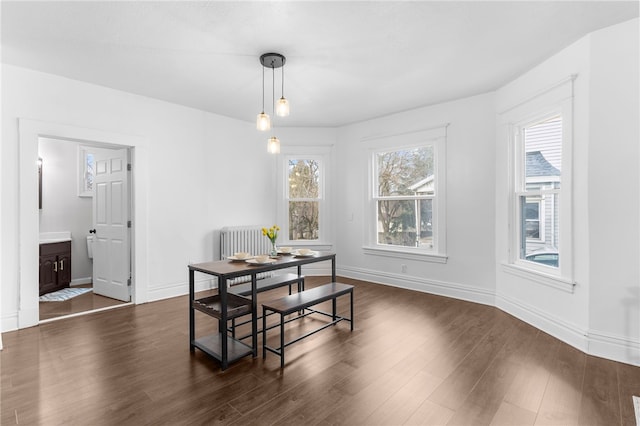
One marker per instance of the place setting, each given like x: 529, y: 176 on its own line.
x: 303, y: 252
x: 261, y: 259
x: 240, y: 256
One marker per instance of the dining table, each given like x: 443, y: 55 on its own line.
x: 225, y: 305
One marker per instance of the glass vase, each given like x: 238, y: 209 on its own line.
x: 274, y: 249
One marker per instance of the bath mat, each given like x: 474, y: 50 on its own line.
x: 64, y: 294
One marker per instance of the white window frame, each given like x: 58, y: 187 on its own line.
x: 435, y: 137
x: 322, y: 156
x: 558, y: 99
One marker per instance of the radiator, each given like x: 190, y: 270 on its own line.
x: 249, y: 239
x: 243, y: 238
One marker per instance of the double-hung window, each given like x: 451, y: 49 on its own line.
x: 406, y: 203
x: 303, y: 208
x: 540, y: 228
x: 304, y: 198
x: 538, y: 189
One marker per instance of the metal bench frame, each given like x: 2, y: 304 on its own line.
x: 301, y: 303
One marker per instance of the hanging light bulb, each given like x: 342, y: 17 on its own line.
x: 263, y: 122
x: 282, y: 108
x: 273, y: 146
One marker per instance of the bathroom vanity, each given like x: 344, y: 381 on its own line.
x: 55, y: 263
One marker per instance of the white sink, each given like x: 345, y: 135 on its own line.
x: 54, y: 237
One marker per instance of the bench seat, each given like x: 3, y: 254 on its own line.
x: 298, y: 302
x: 262, y: 284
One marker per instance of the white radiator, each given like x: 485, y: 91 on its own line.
x: 249, y: 239
x: 243, y: 238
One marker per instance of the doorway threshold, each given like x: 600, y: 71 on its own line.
x: 93, y: 311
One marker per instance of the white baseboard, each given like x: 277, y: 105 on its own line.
x: 80, y: 281
x: 178, y: 289
x: 616, y: 348
x: 441, y: 288
x: 10, y: 322
x: 567, y: 332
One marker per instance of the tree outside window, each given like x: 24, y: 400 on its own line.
x: 304, y: 195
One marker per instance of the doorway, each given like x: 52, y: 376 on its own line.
x: 67, y: 206
x: 29, y: 132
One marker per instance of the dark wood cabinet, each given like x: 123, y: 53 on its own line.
x: 55, y: 266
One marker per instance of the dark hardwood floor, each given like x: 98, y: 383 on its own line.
x: 413, y: 358
x: 83, y: 303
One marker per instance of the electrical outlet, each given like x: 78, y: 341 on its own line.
x: 403, y: 268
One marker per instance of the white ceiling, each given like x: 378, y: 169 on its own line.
x: 346, y: 61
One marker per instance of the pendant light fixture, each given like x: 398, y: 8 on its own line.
x: 273, y: 146
x: 263, y: 123
x: 273, y: 61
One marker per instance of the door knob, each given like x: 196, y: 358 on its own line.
x: 92, y: 231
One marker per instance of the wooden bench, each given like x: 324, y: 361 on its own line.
x: 299, y: 302
x: 263, y: 284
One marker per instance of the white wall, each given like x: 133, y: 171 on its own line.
x: 600, y: 316
x: 192, y: 160
x: 614, y: 175
x: 470, y: 198
x: 62, y: 208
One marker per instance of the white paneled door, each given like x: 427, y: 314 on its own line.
x: 111, y: 248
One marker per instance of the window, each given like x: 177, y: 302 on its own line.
x: 303, y: 206
x: 532, y: 219
x: 406, y: 202
x: 538, y: 142
x: 404, y: 195
x: 538, y: 186
x: 87, y: 172
x: 303, y: 198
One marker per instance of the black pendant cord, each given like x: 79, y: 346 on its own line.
x: 282, y: 82
x: 273, y: 94
x: 263, y: 90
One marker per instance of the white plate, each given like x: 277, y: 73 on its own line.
x: 287, y: 253
x: 238, y: 259
x: 311, y: 253
x: 266, y: 262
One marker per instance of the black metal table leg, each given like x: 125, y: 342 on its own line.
x: 192, y: 332
x: 222, y: 291
x: 254, y: 314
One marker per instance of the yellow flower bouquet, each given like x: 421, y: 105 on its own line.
x: 272, y: 234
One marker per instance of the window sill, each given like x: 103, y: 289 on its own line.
x: 539, y: 277
x: 405, y: 254
x: 316, y: 245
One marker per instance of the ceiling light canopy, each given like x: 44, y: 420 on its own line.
x: 281, y: 108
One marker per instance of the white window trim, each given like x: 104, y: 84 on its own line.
x: 322, y: 154
x: 557, y: 99
x: 436, y: 136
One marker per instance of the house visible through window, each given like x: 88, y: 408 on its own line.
x: 405, y: 197
x: 538, y: 190
x: 532, y: 218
